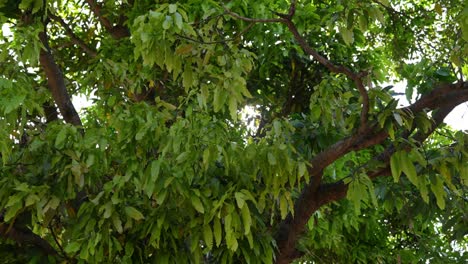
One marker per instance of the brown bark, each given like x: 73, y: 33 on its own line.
x: 314, y: 195
x: 56, y: 83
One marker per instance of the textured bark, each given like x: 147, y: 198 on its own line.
x: 56, y: 83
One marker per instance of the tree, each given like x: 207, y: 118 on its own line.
x: 162, y: 168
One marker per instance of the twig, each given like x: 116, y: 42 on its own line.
x: 218, y: 41
x: 64, y: 255
x: 73, y: 36
x: 254, y: 20
x: 117, y: 32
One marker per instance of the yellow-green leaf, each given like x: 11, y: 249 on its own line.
x: 197, y: 204
x: 208, y: 236
x: 217, y: 231
x: 133, y: 213
x: 72, y: 247
x: 246, y: 219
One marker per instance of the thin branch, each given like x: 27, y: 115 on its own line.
x: 91, y: 52
x: 237, y: 36
x: 254, y: 20
x: 51, y: 228
x: 56, y: 82
x: 117, y: 32
x: 356, y: 77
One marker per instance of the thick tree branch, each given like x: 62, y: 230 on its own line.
x: 56, y: 83
x: 314, y: 195
x: 442, y: 99
x: 118, y: 31
x: 23, y: 236
x: 77, y: 41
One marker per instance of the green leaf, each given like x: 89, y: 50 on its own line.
x: 108, y: 208
x: 187, y: 77
x: 208, y: 236
x: 206, y: 158
x: 72, y: 247
x: 363, y: 23
x: 13, y: 103
x: 283, y: 203
x: 12, y: 211
x: 233, y: 107
x: 117, y: 223
x: 61, y: 137
x: 301, y: 169
x: 178, y: 20
x: 133, y: 213
x: 271, y: 158
x: 439, y: 192
x: 14, y: 199
x: 240, y: 199
x: 184, y: 49
x: 370, y: 188
x: 408, y: 168
x: 155, y: 168
x: 385, y: 2
x: 167, y: 23
x: 398, y: 118
x: 217, y: 231
x: 172, y: 8
x: 395, y: 165
x: 356, y: 193
x: 246, y: 219
x: 219, y: 98
x: 197, y: 204
x: 347, y: 35
x: 438, y: 8
x: 376, y: 13
x: 32, y: 199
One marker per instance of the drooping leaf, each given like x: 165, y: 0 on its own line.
x: 133, y: 213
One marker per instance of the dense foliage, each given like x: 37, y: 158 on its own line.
x: 232, y: 131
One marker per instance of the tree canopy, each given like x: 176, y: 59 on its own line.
x: 233, y: 131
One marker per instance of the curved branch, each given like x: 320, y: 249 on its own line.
x: 355, y: 77
x: 314, y: 195
x: 442, y: 99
